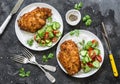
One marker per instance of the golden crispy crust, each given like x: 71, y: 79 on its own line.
x: 69, y: 57
x: 34, y: 20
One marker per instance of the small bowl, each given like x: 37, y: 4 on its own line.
x: 73, y: 17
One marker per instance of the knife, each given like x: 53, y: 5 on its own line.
x: 112, y: 61
x: 14, y: 10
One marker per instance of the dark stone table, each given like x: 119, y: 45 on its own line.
x: 100, y: 10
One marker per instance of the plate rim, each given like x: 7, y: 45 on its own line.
x: 19, y: 14
x: 60, y: 65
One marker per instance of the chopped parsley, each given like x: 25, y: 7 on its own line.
x: 78, y: 6
x: 49, y: 19
x: 46, y: 58
x: 30, y: 42
x: 75, y: 32
x: 23, y: 74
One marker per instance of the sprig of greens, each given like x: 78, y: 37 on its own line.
x: 46, y: 58
x: 30, y: 42
x: 87, y: 20
x: 75, y: 32
x: 49, y: 19
x: 78, y: 6
x: 23, y: 74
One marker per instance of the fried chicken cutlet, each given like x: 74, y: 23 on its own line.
x: 69, y: 57
x: 34, y: 20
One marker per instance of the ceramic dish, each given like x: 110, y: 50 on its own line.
x: 23, y: 36
x: 87, y: 36
x: 73, y: 17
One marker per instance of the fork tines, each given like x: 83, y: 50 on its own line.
x: 27, y: 53
x: 18, y: 58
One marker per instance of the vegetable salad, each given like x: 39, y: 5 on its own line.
x: 48, y: 34
x: 90, y: 55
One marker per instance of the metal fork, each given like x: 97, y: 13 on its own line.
x: 32, y: 59
x: 24, y: 60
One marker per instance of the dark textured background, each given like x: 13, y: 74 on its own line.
x: 100, y: 10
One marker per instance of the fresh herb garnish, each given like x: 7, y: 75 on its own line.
x: 87, y: 20
x: 27, y: 73
x: 30, y: 42
x: 50, y: 55
x: 46, y: 58
x: 82, y: 42
x: 49, y: 19
x: 23, y: 74
x: 78, y: 6
x: 75, y: 32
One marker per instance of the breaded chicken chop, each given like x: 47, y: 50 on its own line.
x: 34, y: 20
x: 69, y: 57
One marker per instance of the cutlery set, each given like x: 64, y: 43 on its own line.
x: 30, y: 58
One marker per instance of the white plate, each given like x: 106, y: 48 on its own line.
x: 23, y: 36
x: 87, y: 36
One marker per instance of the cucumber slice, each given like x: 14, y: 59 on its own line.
x: 86, y: 47
x: 86, y: 59
x: 96, y: 64
x: 49, y: 29
x: 47, y: 41
x: 83, y: 52
x: 86, y: 68
x: 49, y: 44
x: 57, y: 25
x: 89, y: 43
x: 41, y: 32
x: 51, y: 35
x: 83, y: 60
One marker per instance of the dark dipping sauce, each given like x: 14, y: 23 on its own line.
x: 73, y: 17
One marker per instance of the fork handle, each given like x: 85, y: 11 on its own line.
x: 50, y: 77
x: 47, y: 74
x: 49, y: 67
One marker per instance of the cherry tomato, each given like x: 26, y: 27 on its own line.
x: 55, y: 32
x: 99, y: 58
x: 90, y: 49
x: 90, y: 64
x: 54, y: 39
x: 46, y: 35
x: 92, y: 54
x: 94, y: 41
